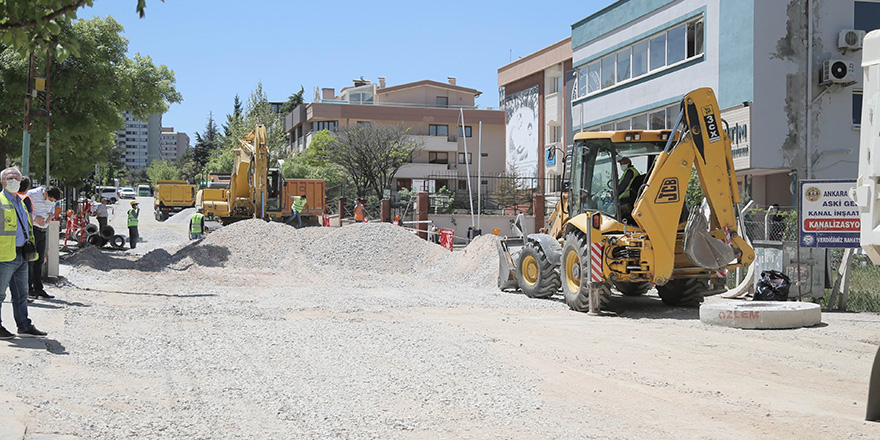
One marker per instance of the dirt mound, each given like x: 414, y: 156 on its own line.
x: 476, y: 265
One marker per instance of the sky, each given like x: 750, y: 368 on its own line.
x: 218, y: 49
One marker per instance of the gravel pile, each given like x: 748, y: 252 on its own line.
x: 376, y: 248
x: 181, y: 218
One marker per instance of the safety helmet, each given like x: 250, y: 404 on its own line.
x: 134, y: 203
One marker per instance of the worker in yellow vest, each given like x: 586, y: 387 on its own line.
x: 17, y: 249
x: 197, y: 225
x: 299, y: 203
x: 133, y: 224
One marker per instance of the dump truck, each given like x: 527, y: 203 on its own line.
x: 255, y: 190
x: 597, y: 241
x: 172, y: 196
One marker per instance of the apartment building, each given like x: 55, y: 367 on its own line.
x: 533, y: 93
x: 172, y: 144
x: 431, y: 110
x: 140, y: 140
x: 786, y: 73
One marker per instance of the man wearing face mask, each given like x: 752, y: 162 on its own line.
x: 17, y: 248
x: 43, y: 208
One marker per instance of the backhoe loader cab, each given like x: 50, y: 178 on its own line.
x: 595, y: 170
x: 598, y: 240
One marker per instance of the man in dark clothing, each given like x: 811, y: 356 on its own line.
x: 625, y: 188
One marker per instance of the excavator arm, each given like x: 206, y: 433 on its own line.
x: 706, y: 146
x: 248, y: 181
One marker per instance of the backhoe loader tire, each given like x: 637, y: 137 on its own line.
x: 535, y: 275
x: 684, y: 292
x: 575, y: 274
x: 633, y: 289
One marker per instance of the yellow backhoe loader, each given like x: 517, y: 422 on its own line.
x: 597, y: 240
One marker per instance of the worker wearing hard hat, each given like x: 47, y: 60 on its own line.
x: 133, y: 224
x: 299, y: 203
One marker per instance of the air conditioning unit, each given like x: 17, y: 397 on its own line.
x: 838, y: 72
x: 850, y: 39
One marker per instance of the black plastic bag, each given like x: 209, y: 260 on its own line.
x: 773, y: 286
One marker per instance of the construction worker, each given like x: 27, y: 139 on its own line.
x: 197, y: 225
x: 42, y: 201
x: 101, y: 213
x: 359, y: 211
x: 133, y: 224
x: 625, y: 191
x: 299, y: 203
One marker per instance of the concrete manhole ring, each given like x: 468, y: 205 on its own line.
x: 761, y: 314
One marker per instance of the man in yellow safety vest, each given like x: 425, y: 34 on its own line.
x: 17, y: 249
x: 197, y: 225
x: 133, y: 224
x: 299, y: 203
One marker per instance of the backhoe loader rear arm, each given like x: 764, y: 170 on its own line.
x: 704, y: 145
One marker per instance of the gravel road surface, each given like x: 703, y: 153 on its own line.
x: 366, y: 332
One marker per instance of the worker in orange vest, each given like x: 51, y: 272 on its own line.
x: 359, y: 211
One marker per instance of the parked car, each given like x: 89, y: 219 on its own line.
x: 127, y: 192
x: 110, y: 193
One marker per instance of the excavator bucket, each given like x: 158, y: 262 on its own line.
x: 703, y: 249
x: 507, y: 261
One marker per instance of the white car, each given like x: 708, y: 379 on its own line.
x: 127, y: 192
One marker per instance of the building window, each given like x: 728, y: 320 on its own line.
x: 555, y: 134
x: 659, y: 51
x: 467, y: 131
x: 658, y: 119
x: 866, y: 16
x: 857, y: 108
x: 470, y: 160
x: 462, y: 185
x: 438, y: 157
x: 484, y: 154
x: 438, y: 130
x: 555, y: 84
x: 442, y: 101
x: 363, y: 123
x: 323, y: 125
x: 360, y: 98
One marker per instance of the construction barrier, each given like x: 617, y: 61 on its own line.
x: 446, y: 236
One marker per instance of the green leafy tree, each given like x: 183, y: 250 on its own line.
x: 258, y: 111
x: 84, y: 118
x: 372, y: 154
x: 162, y: 170
x: 509, y: 191
x: 36, y: 25
x: 313, y: 163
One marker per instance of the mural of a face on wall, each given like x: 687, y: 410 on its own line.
x: 522, y: 132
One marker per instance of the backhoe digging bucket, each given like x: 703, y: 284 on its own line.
x: 703, y: 249
x: 507, y: 261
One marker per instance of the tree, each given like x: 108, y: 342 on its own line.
x: 372, y: 154
x: 162, y: 170
x: 294, y: 101
x: 234, y: 120
x: 36, y: 25
x: 89, y: 93
x: 509, y: 190
x: 313, y: 163
x: 206, y: 142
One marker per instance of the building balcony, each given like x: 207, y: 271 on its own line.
x: 421, y: 170
x: 438, y: 143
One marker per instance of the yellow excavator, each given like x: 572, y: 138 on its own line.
x: 596, y: 241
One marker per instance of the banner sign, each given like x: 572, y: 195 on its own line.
x: 828, y: 217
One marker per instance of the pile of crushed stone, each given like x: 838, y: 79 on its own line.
x: 181, y: 218
x: 364, y: 247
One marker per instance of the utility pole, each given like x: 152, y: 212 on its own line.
x: 26, y: 141
x: 48, y: 115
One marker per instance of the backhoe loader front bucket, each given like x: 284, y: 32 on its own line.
x: 507, y: 261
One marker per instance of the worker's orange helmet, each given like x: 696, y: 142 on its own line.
x: 70, y: 213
